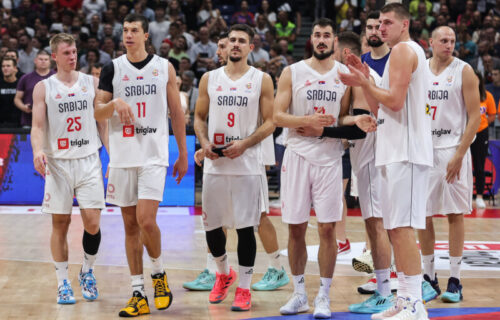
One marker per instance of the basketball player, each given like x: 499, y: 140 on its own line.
x: 379, y: 52
x: 403, y: 150
x: 233, y: 98
x: 65, y: 142
x: 137, y: 91
x: 312, y: 168
x: 453, y: 104
x: 275, y: 276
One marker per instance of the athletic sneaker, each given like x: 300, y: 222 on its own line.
x: 376, y: 303
x: 364, y: 262
x: 204, y: 282
x: 434, y: 283
x: 344, y: 247
x: 392, y: 311
x: 296, y: 304
x: 272, y: 280
x: 322, y: 307
x: 65, y: 293
x: 480, y: 203
x: 88, y: 285
x: 453, y: 292
x: 428, y: 292
x: 221, y: 286
x: 242, y: 300
x: 413, y: 310
x: 136, y: 306
x: 163, y: 295
x: 276, y: 203
x: 370, y: 286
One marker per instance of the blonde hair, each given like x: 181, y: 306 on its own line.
x: 60, y: 38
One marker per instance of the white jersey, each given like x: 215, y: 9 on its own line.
x: 144, y: 142
x: 405, y: 135
x: 234, y: 113
x: 445, y: 103
x: 312, y: 91
x: 363, y: 151
x: 71, y: 131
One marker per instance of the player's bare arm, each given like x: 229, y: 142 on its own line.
x: 282, y: 101
x: 472, y: 102
x: 38, y: 127
x: 363, y: 121
x: 102, y: 125
x: 18, y: 101
x: 200, y: 119
x: 178, y: 124
x: 106, y: 105
x: 402, y: 63
x: 236, y: 148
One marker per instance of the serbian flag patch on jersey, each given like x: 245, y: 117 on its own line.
x: 435, y: 83
x: 140, y: 78
x: 71, y: 94
x: 232, y: 89
x: 321, y: 82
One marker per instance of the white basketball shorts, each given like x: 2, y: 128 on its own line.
x: 303, y: 184
x: 264, y: 205
x: 127, y: 185
x: 446, y: 198
x: 67, y: 178
x: 372, y: 191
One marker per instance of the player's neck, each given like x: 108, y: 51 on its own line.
x: 438, y: 64
x: 236, y: 70
x: 403, y: 38
x: 321, y: 66
x: 379, y: 52
x: 137, y: 55
x: 67, y: 76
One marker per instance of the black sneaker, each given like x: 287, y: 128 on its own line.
x: 434, y: 283
x: 453, y: 293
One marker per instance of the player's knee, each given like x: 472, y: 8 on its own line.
x: 61, y: 223
x: 92, y: 227
x: 326, y: 230
x: 148, y: 225
x: 297, y: 232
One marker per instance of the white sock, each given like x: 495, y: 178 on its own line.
x: 274, y: 260
x: 402, y: 292
x: 429, y: 269
x: 222, y: 264
x: 299, y: 284
x: 414, y: 286
x: 455, y: 264
x: 383, y: 281
x: 245, y: 277
x: 61, y: 272
x: 211, y: 266
x: 324, y: 286
x: 88, y: 262
x: 138, y: 284
x: 157, y: 265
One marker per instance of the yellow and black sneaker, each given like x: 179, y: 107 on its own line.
x: 136, y: 306
x: 163, y: 295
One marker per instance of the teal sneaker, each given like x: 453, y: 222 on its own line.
x: 88, y: 284
x: 375, y: 304
x: 453, y: 293
x: 204, y: 282
x: 65, y: 293
x: 272, y: 280
x: 428, y: 292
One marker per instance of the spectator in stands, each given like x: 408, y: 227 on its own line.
x: 140, y: 7
x: 276, y: 56
x: 24, y: 94
x: 285, y: 29
x: 258, y: 54
x: 184, y: 65
x: 93, y: 43
x: 464, y: 45
x: 28, y: 10
x: 26, y: 54
x: 485, y: 65
x: 42, y: 33
x: 3, y: 51
x: 9, y: 114
x: 341, y: 7
x: 243, y: 16
x: 205, y: 12
x: 467, y: 16
x: 202, y: 53
x: 479, y: 148
x: 158, y: 29
x: 413, y: 8
x: 267, y: 12
x: 176, y: 29
x: 15, y: 55
x: 165, y: 48
x: 179, y: 50
x: 184, y: 101
x: 123, y: 10
x: 95, y: 26
x: 91, y: 7
x: 283, y: 43
x: 110, y: 17
x: 427, y: 20
x: 190, y: 9
x: 174, y: 12
x: 216, y: 25
x: 494, y: 86
x: 191, y: 91
x: 350, y: 23
x: 96, y: 69
x: 261, y: 26
x: 91, y: 58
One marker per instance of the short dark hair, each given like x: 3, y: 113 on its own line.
x: 243, y: 27
x: 400, y: 10
x: 135, y: 17
x: 373, y: 15
x: 15, y: 51
x: 42, y: 52
x: 350, y: 40
x: 223, y: 35
x: 323, y: 22
x: 14, y: 62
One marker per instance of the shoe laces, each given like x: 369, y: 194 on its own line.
x: 242, y: 296
x: 220, y: 282
x: 321, y: 301
x: 453, y: 287
x: 296, y: 300
x: 160, y: 288
x: 133, y: 302
x: 269, y: 274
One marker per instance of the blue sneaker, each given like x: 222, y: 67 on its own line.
x: 434, y: 283
x: 88, y: 284
x: 272, y: 280
x: 428, y: 292
x: 453, y: 292
x: 204, y: 282
x: 65, y: 293
x: 375, y: 304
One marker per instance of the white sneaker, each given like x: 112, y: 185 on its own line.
x: 364, y: 262
x: 371, y: 285
x: 480, y: 203
x: 394, y: 310
x: 322, y: 307
x: 297, y: 303
x: 276, y: 203
x: 414, y: 310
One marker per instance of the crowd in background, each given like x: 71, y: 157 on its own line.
x: 186, y: 32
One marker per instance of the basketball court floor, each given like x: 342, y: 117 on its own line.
x: 28, y: 283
